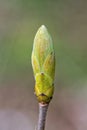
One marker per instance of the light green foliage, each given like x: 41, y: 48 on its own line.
x: 43, y: 63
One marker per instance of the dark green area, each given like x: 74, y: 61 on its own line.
x: 66, y: 22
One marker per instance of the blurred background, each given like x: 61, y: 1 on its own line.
x: 67, y: 23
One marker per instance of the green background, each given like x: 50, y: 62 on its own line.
x: 19, y: 21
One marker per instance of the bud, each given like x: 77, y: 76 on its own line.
x: 43, y: 63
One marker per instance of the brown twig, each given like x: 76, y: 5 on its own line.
x: 42, y: 116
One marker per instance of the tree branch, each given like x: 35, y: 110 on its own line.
x: 42, y: 116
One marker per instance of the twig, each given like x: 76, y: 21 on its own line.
x: 42, y: 116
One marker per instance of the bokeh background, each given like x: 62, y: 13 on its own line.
x: 67, y: 24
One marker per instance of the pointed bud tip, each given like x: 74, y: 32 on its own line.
x: 43, y: 28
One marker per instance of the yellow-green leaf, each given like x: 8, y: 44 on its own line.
x: 43, y: 63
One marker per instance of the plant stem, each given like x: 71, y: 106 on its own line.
x: 42, y: 116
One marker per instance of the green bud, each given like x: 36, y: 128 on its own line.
x: 43, y: 63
